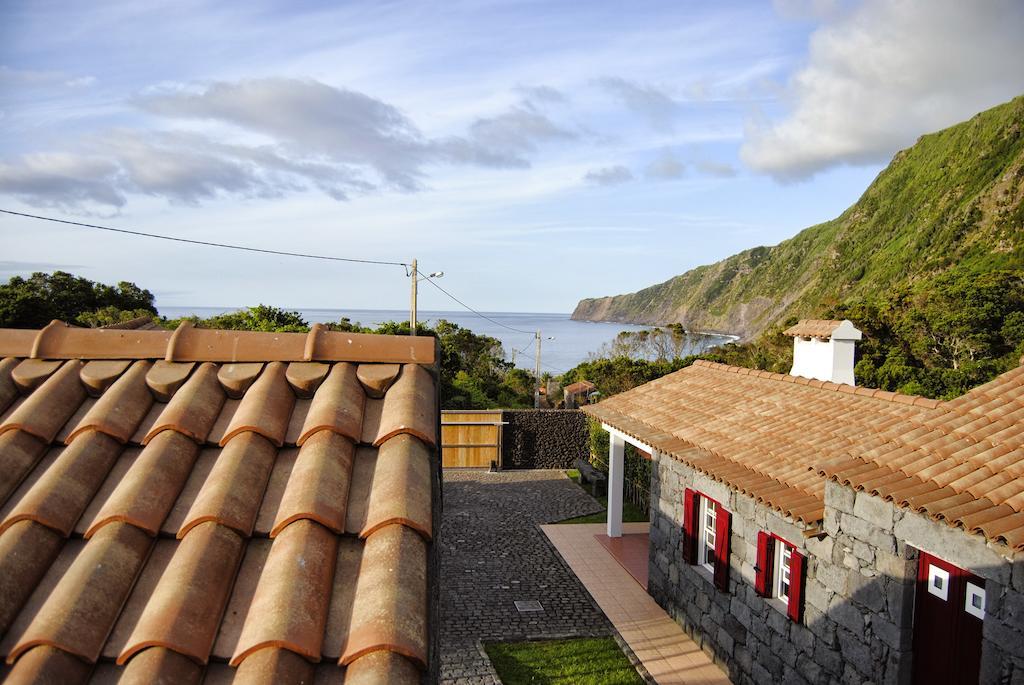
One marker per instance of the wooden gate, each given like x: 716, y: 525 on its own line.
x: 470, y: 438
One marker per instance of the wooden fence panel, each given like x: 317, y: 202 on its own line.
x: 470, y: 439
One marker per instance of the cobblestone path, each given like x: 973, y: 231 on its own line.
x: 493, y: 554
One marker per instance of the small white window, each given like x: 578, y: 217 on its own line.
x: 938, y: 582
x: 706, y: 541
x: 783, y: 553
x: 974, y: 604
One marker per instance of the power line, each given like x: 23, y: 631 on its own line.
x: 482, y: 316
x: 283, y: 253
x: 205, y: 242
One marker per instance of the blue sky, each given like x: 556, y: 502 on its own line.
x: 536, y: 152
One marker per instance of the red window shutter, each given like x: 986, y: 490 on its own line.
x: 765, y: 562
x: 722, y: 530
x: 690, y: 512
x: 797, y: 564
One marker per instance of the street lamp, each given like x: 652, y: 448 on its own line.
x: 415, y: 280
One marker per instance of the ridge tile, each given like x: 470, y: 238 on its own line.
x: 288, y: 609
x: 165, y: 378
x: 318, y: 484
x: 236, y: 378
x: 400, y: 490
x: 409, y: 407
x: 46, y: 410
x: 232, y: 492
x: 120, y: 410
x: 66, y: 485
x: 19, y: 453
x: 185, y: 609
x: 98, y: 375
x: 157, y: 665
x: 148, y: 490
x: 45, y: 664
x: 306, y: 377
x: 194, y: 409
x: 337, y: 405
x: 382, y: 667
x: 83, y: 606
x: 27, y: 549
x: 389, y: 610
x: 8, y: 388
x: 29, y: 374
x: 266, y: 407
x: 275, y: 665
x: 377, y: 378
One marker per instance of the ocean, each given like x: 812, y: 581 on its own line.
x: 565, y: 343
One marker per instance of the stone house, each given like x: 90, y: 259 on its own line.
x: 809, y: 531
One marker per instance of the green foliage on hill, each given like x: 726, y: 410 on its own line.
x: 37, y: 300
x: 953, y: 200
x: 474, y: 373
x: 938, y: 338
x: 259, y: 318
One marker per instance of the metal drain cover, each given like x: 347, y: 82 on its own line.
x: 522, y: 606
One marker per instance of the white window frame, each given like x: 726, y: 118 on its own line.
x: 707, y: 532
x: 780, y: 578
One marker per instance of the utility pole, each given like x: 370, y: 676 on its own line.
x: 536, y: 396
x: 412, y: 306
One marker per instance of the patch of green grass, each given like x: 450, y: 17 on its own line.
x: 630, y: 513
x: 597, y: 661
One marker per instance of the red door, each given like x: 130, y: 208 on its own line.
x: 948, y: 612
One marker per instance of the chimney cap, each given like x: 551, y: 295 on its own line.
x: 824, y: 329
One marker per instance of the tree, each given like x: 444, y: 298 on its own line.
x: 259, y: 318
x: 35, y: 301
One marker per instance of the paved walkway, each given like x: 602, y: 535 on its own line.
x: 668, y: 654
x: 493, y: 554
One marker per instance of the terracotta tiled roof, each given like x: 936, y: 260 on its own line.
x: 170, y: 520
x: 813, y: 328
x: 578, y: 387
x: 776, y: 437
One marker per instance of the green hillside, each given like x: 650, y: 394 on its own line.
x: 956, y: 198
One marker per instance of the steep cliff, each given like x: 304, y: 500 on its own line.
x: 955, y: 198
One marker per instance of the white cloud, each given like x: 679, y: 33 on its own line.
x: 339, y: 141
x: 657, y: 107
x: 666, y: 167
x: 609, y: 175
x: 880, y: 75
x: 62, y: 180
x: 713, y: 168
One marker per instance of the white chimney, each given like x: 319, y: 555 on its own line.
x: 824, y: 350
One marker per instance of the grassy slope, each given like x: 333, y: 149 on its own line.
x: 585, y: 660
x: 956, y: 196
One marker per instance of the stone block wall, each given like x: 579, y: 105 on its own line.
x: 543, y: 438
x: 858, y: 597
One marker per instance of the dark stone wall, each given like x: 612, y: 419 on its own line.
x: 543, y: 438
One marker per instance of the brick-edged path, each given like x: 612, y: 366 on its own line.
x: 493, y: 553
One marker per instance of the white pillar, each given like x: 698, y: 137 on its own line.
x: 616, y: 464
